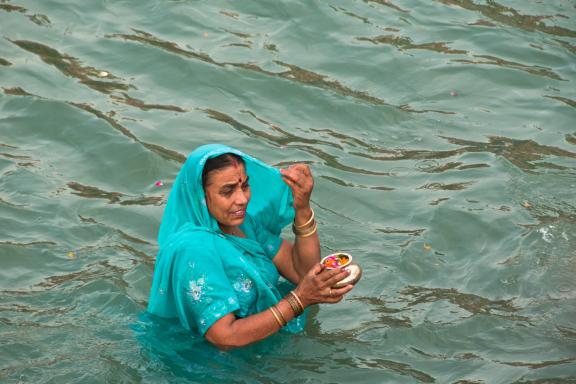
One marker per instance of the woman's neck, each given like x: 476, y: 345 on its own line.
x: 232, y: 230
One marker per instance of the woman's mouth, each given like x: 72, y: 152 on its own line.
x: 239, y: 214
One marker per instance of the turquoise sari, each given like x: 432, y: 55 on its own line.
x: 202, y: 274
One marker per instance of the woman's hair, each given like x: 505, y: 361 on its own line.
x: 219, y: 162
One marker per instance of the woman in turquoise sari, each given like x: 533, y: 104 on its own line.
x: 221, y: 258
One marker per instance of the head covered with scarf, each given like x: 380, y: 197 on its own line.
x: 201, y: 273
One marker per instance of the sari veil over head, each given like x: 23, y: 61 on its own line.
x: 201, y: 273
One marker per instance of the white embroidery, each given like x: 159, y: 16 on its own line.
x: 196, y: 288
x: 243, y: 284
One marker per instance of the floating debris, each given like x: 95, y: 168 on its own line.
x: 427, y: 247
x: 526, y: 204
x: 453, y: 93
x: 159, y: 183
x: 71, y: 255
x: 103, y: 74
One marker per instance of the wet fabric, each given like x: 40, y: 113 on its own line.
x: 202, y: 274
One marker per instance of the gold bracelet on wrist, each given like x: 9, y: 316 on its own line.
x: 299, y: 231
x: 309, y: 233
x: 294, y: 305
x: 302, y: 226
x: 273, y: 310
x: 277, y: 307
x: 295, y: 295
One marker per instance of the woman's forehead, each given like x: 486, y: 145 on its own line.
x: 229, y: 175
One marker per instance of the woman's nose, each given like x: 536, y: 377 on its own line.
x: 241, y: 198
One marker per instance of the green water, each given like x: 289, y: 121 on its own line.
x: 442, y: 136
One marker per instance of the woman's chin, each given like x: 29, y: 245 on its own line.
x: 235, y: 221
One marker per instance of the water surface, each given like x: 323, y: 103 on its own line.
x: 442, y: 136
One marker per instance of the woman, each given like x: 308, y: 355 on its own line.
x: 220, y: 255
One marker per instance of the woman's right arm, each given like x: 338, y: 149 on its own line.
x: 232, y: 332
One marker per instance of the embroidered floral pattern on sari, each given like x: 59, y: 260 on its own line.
x: 197, y: 288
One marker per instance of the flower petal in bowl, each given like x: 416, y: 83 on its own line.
x: 336, y: 260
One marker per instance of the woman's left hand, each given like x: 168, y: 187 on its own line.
x: 299, y: 179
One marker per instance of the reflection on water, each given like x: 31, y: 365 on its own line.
x: 441, y: 135
x: 293, y: 73
x: 39, y: 19
x: 532, y: 69
x: 72, y: 67
x: 469, y: 302
x: 511, y: 17
x: 405, y: 43
x: 112, y: 197
x: 397, y: 367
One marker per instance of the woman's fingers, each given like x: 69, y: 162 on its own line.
x: 316, y: 269
x: 288, y: 180
x: 288, y: 176
x: 337, y: 294
x: 335, y: 279
x: 299, y: 174
x: 332, y: 276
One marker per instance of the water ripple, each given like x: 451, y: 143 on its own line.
x: 446, y: 187
x: 510, y: 16
x: 29, y: 244
x: 102, y: 270
x: 471, y: 303
x: 395, y: 366
x: 144, y: 106
x: 36, y: 18
x: 158, y: 149
x: 91, y: 192
x: 71, y: 66
x: 405, y: 43
x: 387, y: 3
x: 525, y: 154
x: 493, y: 60
x: 343, y: 183
x: 329, y: 160
x: 538, y: 365
x: 293, y: 73
x: 565, y: 100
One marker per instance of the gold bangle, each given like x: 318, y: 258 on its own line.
x: 298, y: 231
x: 302, y: 226
x: 277, y: 307
x: 294, y: 305
x: 313, y: 231
x: 272, y: 309
x: 297, y: 299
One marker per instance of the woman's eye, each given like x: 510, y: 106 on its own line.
x: 226, y: 192
x: 245, y: 186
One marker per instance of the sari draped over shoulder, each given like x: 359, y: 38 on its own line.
x: 202, y: 274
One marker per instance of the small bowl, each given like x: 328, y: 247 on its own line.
x: 336, y: 260
x: 355, y: 275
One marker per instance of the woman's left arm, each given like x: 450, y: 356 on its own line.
x: 295, y: 260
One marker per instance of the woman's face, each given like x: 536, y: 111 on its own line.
x: 227, y: 195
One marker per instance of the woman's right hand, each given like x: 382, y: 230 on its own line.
x: 316, y: 286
